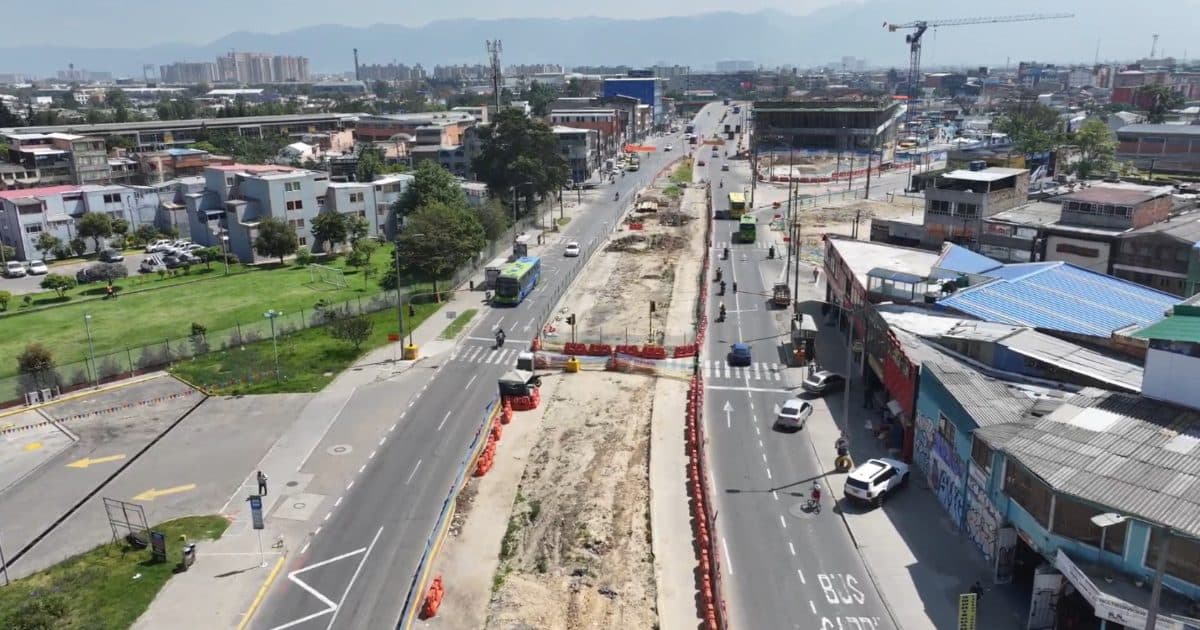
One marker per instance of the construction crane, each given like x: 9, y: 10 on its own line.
x: 920, y: 26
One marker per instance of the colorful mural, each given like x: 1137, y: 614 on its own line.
x: 923, y: 443
x: 983, y: 519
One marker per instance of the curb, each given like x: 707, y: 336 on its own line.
x: 86, y: 392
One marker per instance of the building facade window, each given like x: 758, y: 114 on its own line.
x: 1028, y: 491
x: 296, y: 223
x: 112, y: 198
x: 1183, y: 558
x: 946, y: 429
x: 381, y: 209
x: 937, y: 206
x: 356, y: 197
x: 1073, y: 519
x: 968, y: 210
x: 295, y: 205
x: 303, y: 240
x: 981, y: 454
x: 291, y: 186
x: 35, y: 228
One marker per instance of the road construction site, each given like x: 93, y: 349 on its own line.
x: 558, y: 534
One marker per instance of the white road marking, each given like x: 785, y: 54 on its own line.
x: 813, y: 606
x: 760, y: 444
x: 360, y: 469
x: 764, y: 457
x: 757, y: 431
x: 351, y: 484
x: 498, y: 322
x: 768, y: 473
x: 446, y: 417
x: 317, y: 530
x: 372, y: 455
x: 338, y: 502
x: 327, y: 515
x: 414, y: 471
x: 382, y: 440
x: 801, y: 574
x: 304, y: 548
x: 775, y: 494
x: 728, y: 558
x: 473, y: 377
x: 353, y: 578
x: 782, y: 522
x: 791, y: 548
x: 393, y: 427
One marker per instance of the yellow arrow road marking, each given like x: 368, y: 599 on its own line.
x: 33, y: 446
x: 88, y: 461
x: 153, y: 494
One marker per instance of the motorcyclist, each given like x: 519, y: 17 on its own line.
x: 735, y: 287
x: 722, y: 287
x: 725, y: 252
x: 842, y: 445
x: 816, y: 493
x: 718, y: 274
x: 721, y: 313
x: 616, y: 196
x: 721, y: 184
x: 499, y: 337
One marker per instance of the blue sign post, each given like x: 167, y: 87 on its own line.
x: 256, y: 517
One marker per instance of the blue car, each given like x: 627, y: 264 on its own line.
x: 739, y: 354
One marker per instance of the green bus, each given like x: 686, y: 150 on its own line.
x: 737, y: 205
x: 517, y: 279
x: 747, y: 229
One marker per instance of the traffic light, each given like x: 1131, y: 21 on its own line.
x: 651, y: 306
x: 571, y: 319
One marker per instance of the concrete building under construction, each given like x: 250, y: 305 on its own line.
x: 850, y: 125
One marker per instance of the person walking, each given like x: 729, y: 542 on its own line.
x: 262, y: 483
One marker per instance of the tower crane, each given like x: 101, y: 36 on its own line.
x: 919, y: 27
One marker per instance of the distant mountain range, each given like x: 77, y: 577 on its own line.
x: 771, y: 38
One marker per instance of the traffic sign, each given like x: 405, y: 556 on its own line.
x: 256, y: 514
x: 966, y: 611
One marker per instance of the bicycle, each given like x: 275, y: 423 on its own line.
x: 813, y: 505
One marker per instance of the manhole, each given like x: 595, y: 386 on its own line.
x: 339, y: 449
x: 293, y: 484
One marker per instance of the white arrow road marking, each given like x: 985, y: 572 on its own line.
x: 728, y: 409
x: 331, y: 606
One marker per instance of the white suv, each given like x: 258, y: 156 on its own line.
x: 14, y: 269
x: 874, y: 479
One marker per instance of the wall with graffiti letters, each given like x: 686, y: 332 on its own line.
x: 946, y: 474
x: 923, y: 443
x: 982, y: 522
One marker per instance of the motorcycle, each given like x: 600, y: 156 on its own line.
x: 499, y: 339
x: 721, y: 314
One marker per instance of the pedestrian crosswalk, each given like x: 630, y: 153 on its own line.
x: 757, y: 371
x: 486, y: 354
x: 740, y: 245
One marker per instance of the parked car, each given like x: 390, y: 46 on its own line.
x: 572, y: 250
x: 38, y: 268
x: 172, y: 261
x: 85, y: 276
x: 181, y: 243
x: 739, y: 355
x: 111, y: 255
x: 157, y: 246
x: 874, y: 479
x: 724, y: 166
x: 793, y: 414
x: 700, y: 163
x: 823, y: 382
x: 14, y: 269
x: 191, y: 248
x: 151, y: 264
x: 669, y: 148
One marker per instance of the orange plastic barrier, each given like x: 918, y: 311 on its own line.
x: 433, y: 600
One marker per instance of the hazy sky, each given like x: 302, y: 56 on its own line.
x: 138, y: 23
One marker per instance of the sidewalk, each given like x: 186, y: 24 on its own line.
x: 229, y: 580
x: 918, y: 559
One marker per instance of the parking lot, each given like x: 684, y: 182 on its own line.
x: 30, y: 284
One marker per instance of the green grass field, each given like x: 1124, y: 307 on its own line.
x: 308, y: 359
x: 98, y: 589
x: 458, y: 324
x: 134, y: 319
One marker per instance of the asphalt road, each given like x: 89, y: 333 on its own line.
x: 784, y: 566
x: 357, y: 569
x: 32, y: 284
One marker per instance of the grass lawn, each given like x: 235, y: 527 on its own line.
x: 98, y: 589
x: 458, y: 324
x: 135, y: 319
x: 308, y: 359
x: 683, y: 174
x: 561, y: 221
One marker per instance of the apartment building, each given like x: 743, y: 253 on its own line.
x: 959, y: 201
x: 372, y: 201
x: 57, y: 158
x: 1160, y: 148
x: 188, y: 72
x: 603, y: 121
x: 160, y: 166
x: 581, y: 149
x: 26, y: 214
x: 445, y: 128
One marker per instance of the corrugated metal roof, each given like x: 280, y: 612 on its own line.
x: 1060, y: 296
x: 1134, y: 465
x: 959, y: 259
x: 1075, y: 358
x: 989, y: 401
x: 1173, y: 328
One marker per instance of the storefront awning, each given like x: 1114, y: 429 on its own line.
x: 1110, y: 599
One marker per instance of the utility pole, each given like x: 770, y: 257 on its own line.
x: 870, y: 158
x: 787, y: 267
x: 356, y: 74
x: 494, y: 49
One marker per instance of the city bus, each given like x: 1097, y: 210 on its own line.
x: 747, y: 229
x: 737, y: 205
x: 517, y: 280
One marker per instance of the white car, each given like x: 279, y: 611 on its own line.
x: 38, y: 268
x: 157, y: 245
x: 874, y: 479
x: 669, y: 147
x: 572, y: 250
x: 14, y: 269
x: 793, y: 414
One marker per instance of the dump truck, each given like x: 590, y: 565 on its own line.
x: 781, y: 295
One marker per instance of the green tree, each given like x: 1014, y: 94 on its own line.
x: 275, y: 239
x: 205, y: 145
x: 540, y: 96
x: 574, y: 88
x: 78, y: 245
x: 330, y: 227
x: 208, y: 255
x: 1096, y: 148
x: 357, y: 228
x: 354, y: 329
x: 35, y: 364
x: 369, y: 164
x: 493, y: 216
x: 383, y: 89
x: 5, y: 298
x: 437, y: 240
x: 1033, y: 127
x: 47, y: 243
x: 120, y: 227
x: 146, y: 233
x: 95, y: 225
x: 9, y: 119
x: 520, y: 154
x: 1159, y: 100
x: 431, y: 184
x: 114, y: 141
x: 108, y: 272
x: 58, y: 283
x: 360, y: 257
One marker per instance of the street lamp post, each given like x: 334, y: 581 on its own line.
x: 225, y: 251
x: 271, y: 315
x: 87, y: 326
x: 2, y: 231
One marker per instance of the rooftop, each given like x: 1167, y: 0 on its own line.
x: 37, y: 192
x: 959, y: 259
x: 1075, y: 358
x: 988, y: 400
x: 1138, y: 456
x: 1038, y: 213
x: 1126, y: 194
x: 254, y: 169
x: 993, y: 174
x: 1062, y: 297
x: 863, y: 256
x: 1182, y: 325
x: 1185, y: 227
x: 1164, y: 129
x: 102, y: 128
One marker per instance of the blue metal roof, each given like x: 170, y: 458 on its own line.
x: 1060, y: 296
x: 959, y: 259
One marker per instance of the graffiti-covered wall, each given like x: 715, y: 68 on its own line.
x: 982, y: 522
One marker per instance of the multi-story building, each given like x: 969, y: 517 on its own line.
x: 289, y: 68
x: 1160, y: 148
x: 372, y: 201
x: 648, y: 90
x: 26, y: 214
x: 1162, y: 255
x: 603, y: 121
x: 160, y: 166
x: 189, y: 72
x: 60, y: 158
x: 580, y: 148
x: 959, y: 201
x: 447, y: 126
x: 849, y: 125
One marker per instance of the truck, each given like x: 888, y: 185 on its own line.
x: 781, y: 295
x: 727, y: 101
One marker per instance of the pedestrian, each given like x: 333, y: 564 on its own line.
x: 816, y: 274
x: 977, y: 589
x: 262, y: 483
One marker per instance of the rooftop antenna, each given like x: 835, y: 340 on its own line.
x: 1153, y: 45
x: 356, y: 77
x: 494, y: 49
